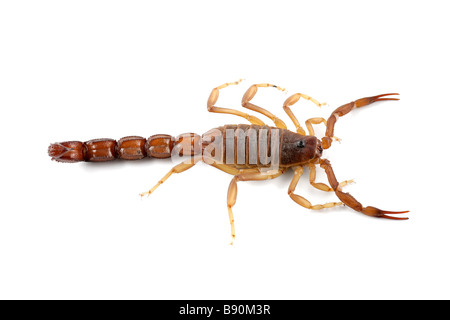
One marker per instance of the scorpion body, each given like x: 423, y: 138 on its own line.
x: 253, y: 151
x: 241, y: 146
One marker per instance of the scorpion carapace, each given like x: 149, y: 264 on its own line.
x: 252, y: 151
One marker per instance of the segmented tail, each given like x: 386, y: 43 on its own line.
x: 128, y: 148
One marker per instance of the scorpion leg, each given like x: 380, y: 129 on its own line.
x: 232, y: 189
x: 291, y: 101
x: 346, y: 108
x: 312, y: 121
x: 350, y: 201
x: 251, y: 92
x: 320, y: 185
x: 177, y: 169
x: 213, y: 99
x: 227, y: 168
x: 302, y: 201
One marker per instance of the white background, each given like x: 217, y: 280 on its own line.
x: 93, y: 69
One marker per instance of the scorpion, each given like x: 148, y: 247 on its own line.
x: 249, y: 152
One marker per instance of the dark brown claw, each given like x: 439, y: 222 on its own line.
x: 350, y: 201
x: 375, y: 212
x: 346, y: 108
x: 365, y: 101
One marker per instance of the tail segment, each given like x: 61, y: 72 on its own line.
x: 128, y: 148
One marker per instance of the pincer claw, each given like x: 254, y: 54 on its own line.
x: 375, y: 212
x: 365, y: 101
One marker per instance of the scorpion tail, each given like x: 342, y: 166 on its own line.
x: 128, y: 148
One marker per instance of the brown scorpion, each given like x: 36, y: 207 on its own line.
x: 248, y: 152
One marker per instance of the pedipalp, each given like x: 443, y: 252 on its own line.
x: 346, y: 108
x: 350, y: 201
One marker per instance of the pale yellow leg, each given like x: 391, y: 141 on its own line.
x: 225, y: 168
x: 232, y: 190
x: 312, y: 121
x: 249, y: 96
x: 213, y: 99
x: 320, y: 185
x: 291, y: 101
x: 302, y: 201
x: 177, y: 169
